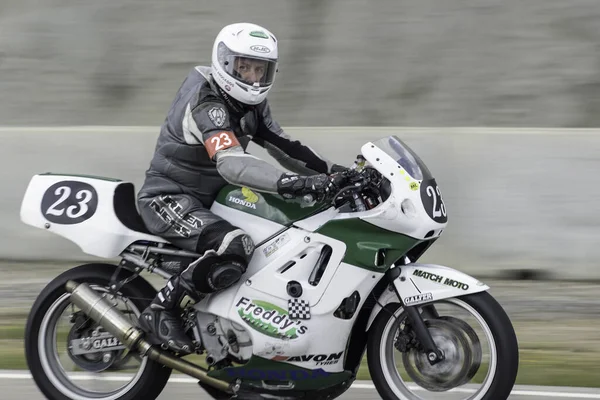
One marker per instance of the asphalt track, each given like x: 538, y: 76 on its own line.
x: 18, y: 385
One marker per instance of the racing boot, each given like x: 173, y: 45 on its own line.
x: 162, y: 321
x: 209, y: 274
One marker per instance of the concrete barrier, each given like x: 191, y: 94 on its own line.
x: 519, y: 200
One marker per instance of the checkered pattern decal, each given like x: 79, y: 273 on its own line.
x: 298, y: 309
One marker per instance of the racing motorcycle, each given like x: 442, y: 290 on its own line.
x: 330, y: 280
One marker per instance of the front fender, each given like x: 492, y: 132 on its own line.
x: 426, y: 283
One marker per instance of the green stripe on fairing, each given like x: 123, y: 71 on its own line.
x: 363, y: 240
x: 270, y: 206
x: 263, y: 364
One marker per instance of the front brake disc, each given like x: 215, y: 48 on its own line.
x: 446, y: 374
x: 474, y: 345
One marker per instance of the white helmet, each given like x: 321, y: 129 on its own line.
x: 244, y: 62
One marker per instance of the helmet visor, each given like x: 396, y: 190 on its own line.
x: 254, y: 71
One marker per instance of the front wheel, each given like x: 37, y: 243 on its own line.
x: 477, y: 339
x: 72, y: 357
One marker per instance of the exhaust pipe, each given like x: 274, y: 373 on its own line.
x: 104, y: 313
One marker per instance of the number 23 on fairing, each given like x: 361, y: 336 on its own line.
x: 69, y: 202
x: 433, y: 201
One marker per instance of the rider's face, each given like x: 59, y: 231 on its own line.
x: 250, y: 70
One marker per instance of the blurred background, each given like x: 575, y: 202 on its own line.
x: 500, y: 98
x: 343, y: 62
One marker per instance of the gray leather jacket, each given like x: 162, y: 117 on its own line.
x: 202, y: 143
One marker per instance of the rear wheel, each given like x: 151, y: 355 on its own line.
x: 72, y: 357
x: 478, y: 341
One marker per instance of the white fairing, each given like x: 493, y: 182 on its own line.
x: 389, y: 215
x: 64, y: 205
x: 318, y: 342
x: 258, y: 307
x: 258, y: 228
x: 271, y: 274
x: 420, y: 284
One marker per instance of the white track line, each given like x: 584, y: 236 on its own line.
x: 358, y: 385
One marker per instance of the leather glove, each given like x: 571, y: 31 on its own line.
x: 320, y: 186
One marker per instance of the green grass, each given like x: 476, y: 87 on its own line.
x: 12, y: 354
x: 12, y: 332
x: 540, y: 363
x: 558, y: 368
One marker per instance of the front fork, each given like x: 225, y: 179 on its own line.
x: 434, y: 354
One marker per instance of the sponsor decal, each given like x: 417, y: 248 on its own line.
x: 276, y: 245
x: 428, y: 275
x: 281, y: 375
x: 106, y: 343
x: 227, y: 81
x: 289, y: 179
x: 319, y: 359
x: 456, y: 284
x: 269, y: 319
x: 417, y: 299
x: 249, y: 200
x: 260, y: 49
x: 414, y: 186
x: 217, y: 115
x: 441, y: 279
x: 242, y: 202
x: 274, y: 349
x: 96, y: 343
x: 298, y: 309
x: 249, y: 195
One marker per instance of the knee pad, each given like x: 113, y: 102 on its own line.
x: 213, y: 272
x: 225, y: 274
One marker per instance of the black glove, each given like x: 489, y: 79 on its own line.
x: 320, y: 186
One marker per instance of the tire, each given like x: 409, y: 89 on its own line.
x: 505, y: 342
x: 154, y: 376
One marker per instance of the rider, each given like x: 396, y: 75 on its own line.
x: 217, y: 111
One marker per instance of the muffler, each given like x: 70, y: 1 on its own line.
x: 105, y: 313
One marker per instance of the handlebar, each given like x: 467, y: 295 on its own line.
x: 360, y: 188
x: 358, y: 182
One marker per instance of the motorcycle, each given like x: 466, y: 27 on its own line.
x: 329, y: 281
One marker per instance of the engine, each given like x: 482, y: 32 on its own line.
x: 224, y: 339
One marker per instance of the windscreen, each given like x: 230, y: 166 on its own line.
x: 405, y: 157
x: 429, y: 191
